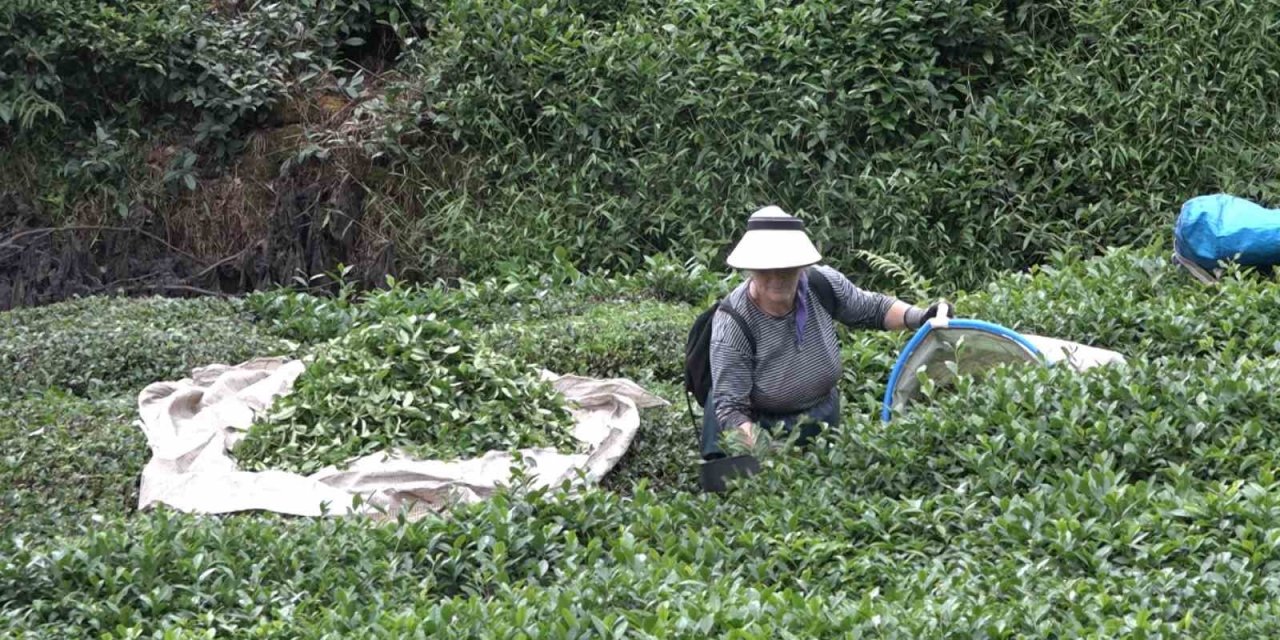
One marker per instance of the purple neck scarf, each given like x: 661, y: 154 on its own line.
x: 802, y: 307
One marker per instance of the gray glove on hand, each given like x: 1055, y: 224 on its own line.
x: 916, y: 317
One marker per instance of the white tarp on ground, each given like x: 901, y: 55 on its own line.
x: 191, y: 424
x: 1079, y: 356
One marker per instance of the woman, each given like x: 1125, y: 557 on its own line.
x: 790, y: 377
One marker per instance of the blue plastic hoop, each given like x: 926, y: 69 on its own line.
x: 886, y: 411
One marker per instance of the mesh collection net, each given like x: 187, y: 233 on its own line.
x: 946, y: 352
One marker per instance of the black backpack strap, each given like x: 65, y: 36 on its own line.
x: 742, y: 323
x: 746, y: 331
x: 822, y: 287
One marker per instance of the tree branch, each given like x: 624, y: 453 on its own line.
x: 227, y: 259
x: 176, y: 287
x: 9, y: 241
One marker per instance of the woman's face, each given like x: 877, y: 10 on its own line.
x: 776, y: 286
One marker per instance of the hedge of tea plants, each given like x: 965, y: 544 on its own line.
x: 70, y: 374
x: 105, y: 346
x: 1137, y: 501
x: 968, y: 138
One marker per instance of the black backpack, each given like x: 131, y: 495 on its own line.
x: 697, y: 347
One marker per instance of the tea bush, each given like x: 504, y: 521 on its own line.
x: 519, y: 294
x: 1137, y: 501
x: 311, y: 318
x: 1093, y: 552
x: 1126, y: 501
x: 314, y: 319
x: 407, y: 382
x: 664, y: 453
x: 86, y: 62
x: 66, y: 460
x: 971, y: 138
x: 110, y: 107
x: 690, y: 282
x: 1137, y: 301
x: 581, y: 120
x: 638, y: 340
x: 104, y: 345
x: 92, y: 62
x: 1008, y: 433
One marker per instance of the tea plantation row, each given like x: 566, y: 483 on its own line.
x: 966, y: 137
x: 1138, y: 501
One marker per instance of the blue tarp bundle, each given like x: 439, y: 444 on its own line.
x: 1214, y: 229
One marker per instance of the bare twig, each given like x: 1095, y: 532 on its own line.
x: 9, y: 241
x: 227, y: 259
x: 176, y: 287
x: 119, y: 284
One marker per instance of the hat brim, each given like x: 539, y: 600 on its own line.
x: 774, y: 249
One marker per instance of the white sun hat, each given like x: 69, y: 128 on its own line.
x: 774, y: 240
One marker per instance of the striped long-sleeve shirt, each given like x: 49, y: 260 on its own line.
x: 784, y: 377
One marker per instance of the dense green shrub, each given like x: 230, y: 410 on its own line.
x: 661, y: 127
x: 1020, y: 429
x: 84, y: 61
x: 1134, y: 501
x: 664, y: 454
x: 519, y: 297
x: 868, y: 357
x: 311, y: 318
x: 690, y: 282
x: 106, y: 345
x: 1137, y: 501
x: 967, y: 137
x: 93, y: 61
x: 105, y: 102
x: 66, y: 460
x: 1138, y: 302
x: 408, y: 382
x: 638, y: 340
x: 970, y: 138
x: 795, y: 556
